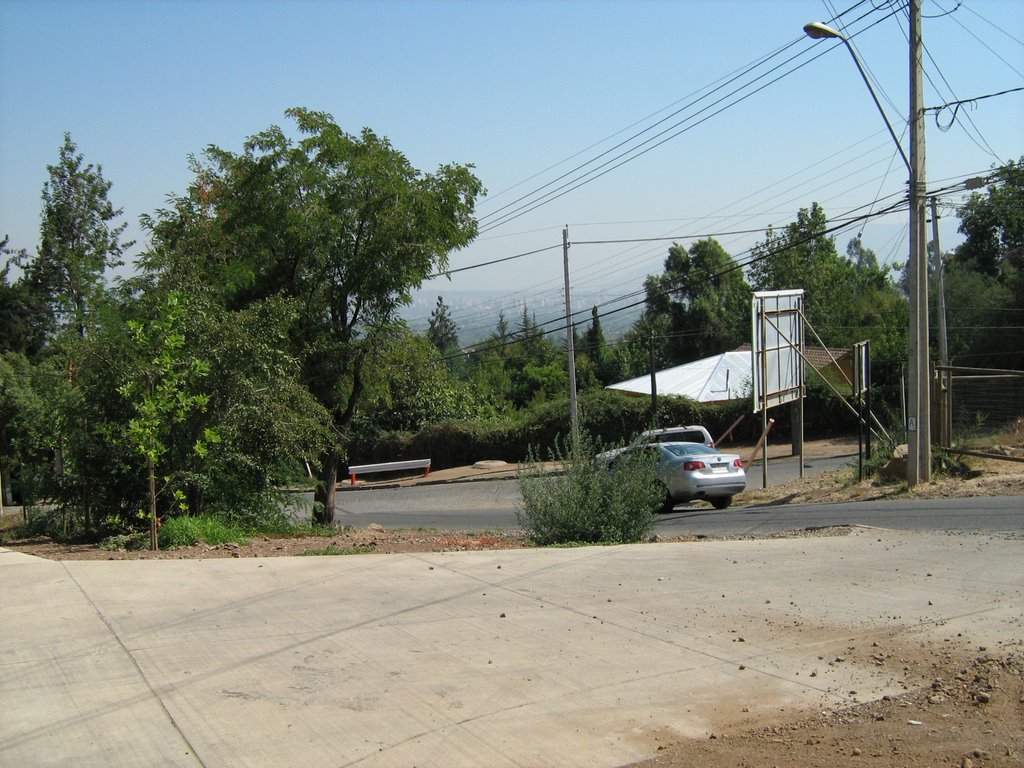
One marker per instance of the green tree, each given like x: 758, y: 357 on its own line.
x: 993, y: 227
x: 161, y: 396
x: 79, y: 239
x: 20, y: 327
x: 993, y: 223
x: 705, y: 298
x: 977, y: 321
x: 845, y: 301
x: 341, y: 224
x: 860, y: 256
x: 409, y: 387
x: 605, y: 364
x: 442, y: 331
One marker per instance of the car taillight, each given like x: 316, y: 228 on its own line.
x: 689, y: 466
x: 738, y: 463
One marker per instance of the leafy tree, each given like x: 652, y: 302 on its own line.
x: 20, y: 329
x: 341, y: 224
x: 861, y: 257
x: 79, y: 239
x: 442, y: 331
x: 409, y: 387
x: 160, y: 392
x: 977, y: 321
x: 845, y: 301
x: 993, y: 227
x: 705, y: 299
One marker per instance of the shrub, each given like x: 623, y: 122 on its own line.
x: 586, y: 502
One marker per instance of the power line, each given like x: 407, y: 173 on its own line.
x: 571, y: 183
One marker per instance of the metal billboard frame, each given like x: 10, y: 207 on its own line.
x: 777, y: 357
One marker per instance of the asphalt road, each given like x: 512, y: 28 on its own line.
x: 491, y: 505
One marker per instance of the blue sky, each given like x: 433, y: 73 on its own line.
x: 516, y: 88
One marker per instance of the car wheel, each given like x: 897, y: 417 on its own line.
x: 668, y: 503
x: 721, y: 502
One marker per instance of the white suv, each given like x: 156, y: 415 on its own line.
x: 692, y: 434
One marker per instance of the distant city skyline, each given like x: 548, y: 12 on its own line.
x: 692, y: 119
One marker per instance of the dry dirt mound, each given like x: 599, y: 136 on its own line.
x: 962, y: 710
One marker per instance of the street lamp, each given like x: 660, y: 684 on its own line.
x: 919, y: 452
x: 818, y: 31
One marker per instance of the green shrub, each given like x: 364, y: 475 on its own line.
x: 585, y: 502
x: 185, y: 531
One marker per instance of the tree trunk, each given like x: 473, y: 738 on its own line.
x: 323, y: 498
x: 152, y: 505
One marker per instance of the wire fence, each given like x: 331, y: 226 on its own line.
x: 981, y: 411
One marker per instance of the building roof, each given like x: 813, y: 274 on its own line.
x: 718, y: 378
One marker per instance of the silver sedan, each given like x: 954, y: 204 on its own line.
x: 689, y: 471
x: 694, y: 471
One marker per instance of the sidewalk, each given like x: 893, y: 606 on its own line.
x: 569, y: 657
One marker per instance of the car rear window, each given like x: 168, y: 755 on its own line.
x: 691, y: 449
x: 683, y: 436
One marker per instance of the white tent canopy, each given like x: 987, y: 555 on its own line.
x: 723, y: 377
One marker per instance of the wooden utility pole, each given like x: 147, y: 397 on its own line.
x: 570, y: 344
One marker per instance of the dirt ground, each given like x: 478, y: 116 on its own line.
x: 962, y: 707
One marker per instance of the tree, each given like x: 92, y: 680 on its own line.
x: 20, y: 327
x: 409, y: 387
x: 705, y: 299
x: 79, y: 240
x: 845, y: 301
x: 606, y: 366
x: 861, y: 257
x: 993, y: 227
x: 442, y: 331
x: 160, y: 392
x: 341, y: 224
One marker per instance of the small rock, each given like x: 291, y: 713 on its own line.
x: 982, y: 697
x: 966, y: 763
x: 856, y: 752
x: 742, y: 667
x: 502, y: 616
x: 375, y: 527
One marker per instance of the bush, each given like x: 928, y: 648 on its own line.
x: 586, y: 502
x: 185, y: 531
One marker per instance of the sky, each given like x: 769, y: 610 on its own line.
x: 745, y: 119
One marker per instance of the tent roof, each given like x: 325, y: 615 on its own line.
x: 722, y: 377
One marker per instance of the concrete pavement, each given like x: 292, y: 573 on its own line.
x: 569, y: 657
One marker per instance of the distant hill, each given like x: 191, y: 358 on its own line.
x: 476, y: 312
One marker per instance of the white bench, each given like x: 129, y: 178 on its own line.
x: 388, y: 466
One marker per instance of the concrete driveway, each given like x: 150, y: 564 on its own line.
x: 572, y: 657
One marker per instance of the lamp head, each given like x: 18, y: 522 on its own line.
x: 818, y: 31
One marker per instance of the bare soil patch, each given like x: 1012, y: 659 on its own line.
x: 961, y: 709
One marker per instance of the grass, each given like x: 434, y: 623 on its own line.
x: 334, y: 549
x: 185, y: 531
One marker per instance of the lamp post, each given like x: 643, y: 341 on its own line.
x: 919, y: 452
